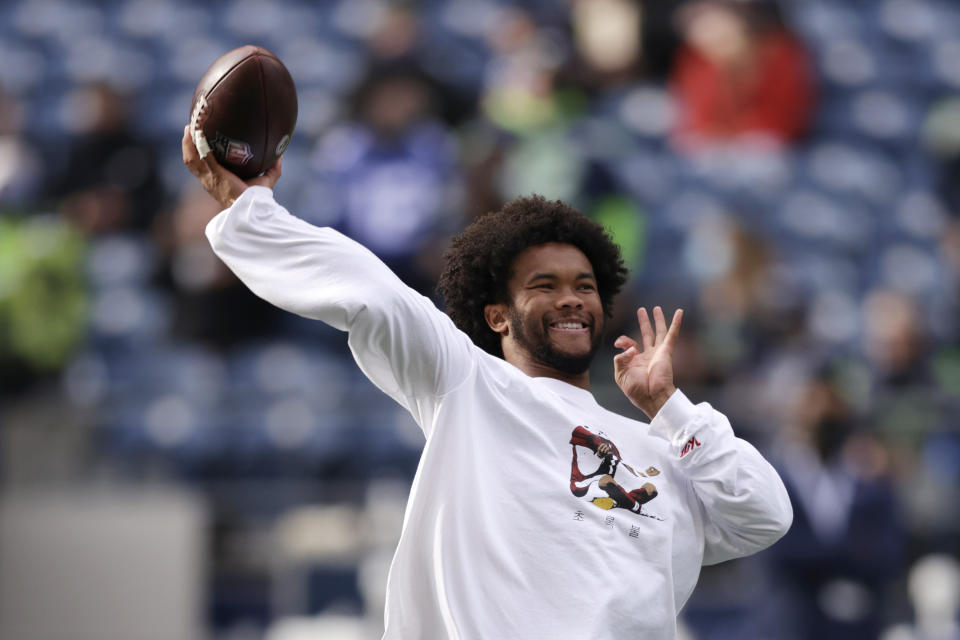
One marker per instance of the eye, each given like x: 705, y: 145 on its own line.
x: 586, y: 286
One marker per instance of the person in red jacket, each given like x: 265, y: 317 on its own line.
x: 740, y: 74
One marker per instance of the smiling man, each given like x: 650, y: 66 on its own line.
x: 497, y: 543
x: 551, y: 285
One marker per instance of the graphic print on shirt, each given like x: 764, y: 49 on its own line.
x: 596, y: 460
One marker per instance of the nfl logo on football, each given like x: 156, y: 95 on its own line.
x: 233, y: 151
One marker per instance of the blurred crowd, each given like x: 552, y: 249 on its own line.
x: 785, y: 171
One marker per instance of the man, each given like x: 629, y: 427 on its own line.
x: 495, y: 544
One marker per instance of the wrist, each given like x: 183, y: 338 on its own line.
x: 231, y: 195
x: 657, y: 401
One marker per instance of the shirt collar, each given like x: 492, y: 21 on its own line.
x: 566, y: 390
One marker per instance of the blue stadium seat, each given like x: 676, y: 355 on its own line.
x: 858, y: 171
x: 25, y: 65
x: 810, y: 218
x: 824, y: 21
x: 120, y: 259
x: 846, y: 63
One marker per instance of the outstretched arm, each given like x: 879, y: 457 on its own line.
x: 744, y: 502
x: 401, y: 341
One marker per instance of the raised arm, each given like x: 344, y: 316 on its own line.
x: 745, y: 504
x: 401, y: 341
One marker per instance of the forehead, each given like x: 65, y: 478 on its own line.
x: 551, y: 258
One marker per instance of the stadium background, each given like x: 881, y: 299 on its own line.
x: 177, y: 460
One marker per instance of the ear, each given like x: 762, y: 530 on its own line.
x: 496, y: 317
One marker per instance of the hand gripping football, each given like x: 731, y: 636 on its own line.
x: 244, y: 110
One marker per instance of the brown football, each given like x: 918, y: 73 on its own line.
x: 244, y: 110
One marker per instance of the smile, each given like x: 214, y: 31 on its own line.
x: 568, y: 326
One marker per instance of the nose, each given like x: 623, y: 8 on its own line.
x: 569, y: 299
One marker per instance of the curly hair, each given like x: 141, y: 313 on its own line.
x: 479, y: 262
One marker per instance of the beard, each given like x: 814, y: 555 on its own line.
x: 537, y: 344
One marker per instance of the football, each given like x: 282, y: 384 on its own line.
x: 244, y: 110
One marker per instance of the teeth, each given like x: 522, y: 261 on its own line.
x: 569, y: 325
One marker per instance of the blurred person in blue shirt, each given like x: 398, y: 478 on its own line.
x: 111, y: 180
x: 388, y: 177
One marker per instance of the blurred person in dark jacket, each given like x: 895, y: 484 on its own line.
x: 210, y: 304
x: 899, y: 351
x: 110, y: 180
x: 837, y: 564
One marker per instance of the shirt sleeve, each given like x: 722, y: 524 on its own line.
x: 410, y: 349
x: 744, y: 500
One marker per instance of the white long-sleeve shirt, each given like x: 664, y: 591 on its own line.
x: 510, y: 530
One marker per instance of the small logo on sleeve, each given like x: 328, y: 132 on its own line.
x: 692, y: 444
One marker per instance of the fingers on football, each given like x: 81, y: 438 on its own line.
x: 215, y: 168
x: 191, y: 157
x: 270, y: 178
x: 199, y: 166
x: 276, y: 170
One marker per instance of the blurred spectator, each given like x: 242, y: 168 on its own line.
x: 742, y: 290
x: 388, y: 177
x: 607, y: 42
x: 20, y: 167
x: 941, y: 138
x: 519, y: 88
x: 895, y: 339
x: 845, y: 548
x: 396, y: 36
x: 399, y: 40
x: 210, y: 304
x: 912, y: 406
x: 529, y: 115
x: 110, y: 181
x: 43, y: 299
x: 741, y: 75
x: 623, y: 40
x: 934, y: 587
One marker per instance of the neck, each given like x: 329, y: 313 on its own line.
x: 522, y: 360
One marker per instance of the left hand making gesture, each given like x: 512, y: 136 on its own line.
x: 644, y: 372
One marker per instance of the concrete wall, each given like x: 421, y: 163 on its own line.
x: 95, y: 565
